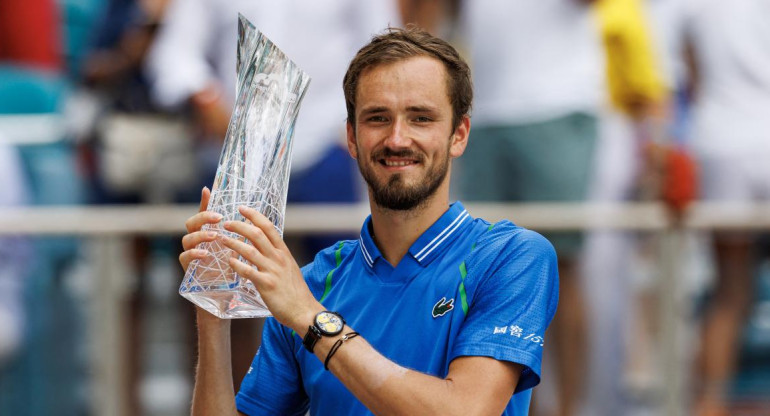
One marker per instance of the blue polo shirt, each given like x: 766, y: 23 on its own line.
x: 466, y: 288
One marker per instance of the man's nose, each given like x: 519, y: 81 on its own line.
x: 398, y: 137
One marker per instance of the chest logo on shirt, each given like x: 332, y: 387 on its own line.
x: 442, y: 307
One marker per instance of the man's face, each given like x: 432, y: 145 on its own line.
x: 403, y: 138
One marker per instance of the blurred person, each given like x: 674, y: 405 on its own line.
x: 618, y: 266
x: 138, y: 153
x: 46, y: 374
x: 539, y: 85
x: 192, y: 63
x: 28, y: 34
x: 451, y: 310
x: 13, y: 256
x: 729, y: 53
x: 645, y: 158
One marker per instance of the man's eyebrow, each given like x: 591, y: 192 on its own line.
x: 421, y: 109
x: 372, y: 110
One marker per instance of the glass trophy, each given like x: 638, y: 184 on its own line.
x: 253, y: 169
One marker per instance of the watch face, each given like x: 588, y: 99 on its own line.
x: 329, y: 323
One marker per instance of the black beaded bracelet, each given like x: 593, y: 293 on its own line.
x: 337, y: 346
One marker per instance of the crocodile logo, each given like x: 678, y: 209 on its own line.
x: 442, y: 307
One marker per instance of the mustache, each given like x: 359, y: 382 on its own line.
x: 402, y: 153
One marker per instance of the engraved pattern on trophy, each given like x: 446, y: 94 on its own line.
x: 253, y: 169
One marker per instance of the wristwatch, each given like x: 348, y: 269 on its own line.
x: 325, y: 324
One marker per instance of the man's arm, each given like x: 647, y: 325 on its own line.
x: 213, y: 393
x: 474, y: 385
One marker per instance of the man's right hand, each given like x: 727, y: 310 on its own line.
x: 195, y: 235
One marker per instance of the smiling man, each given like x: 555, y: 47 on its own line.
x: 430, y: 311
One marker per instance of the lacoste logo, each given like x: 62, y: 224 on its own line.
x: 442, y: 307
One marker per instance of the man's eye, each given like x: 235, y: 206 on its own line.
x: 422, y: 119
x: 377, y: 119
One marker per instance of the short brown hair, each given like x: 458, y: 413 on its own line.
x: 397, y: 44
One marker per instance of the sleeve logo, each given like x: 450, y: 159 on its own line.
x: 443, y: 306
x: 518, y: 332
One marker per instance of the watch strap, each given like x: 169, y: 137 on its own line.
x: 311, y: 338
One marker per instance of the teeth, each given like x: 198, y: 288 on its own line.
x: 391, y: 163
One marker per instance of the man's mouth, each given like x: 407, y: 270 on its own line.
x: 397, y: 163
x: 397, y: 158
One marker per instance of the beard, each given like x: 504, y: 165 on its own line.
x: 395, y: 194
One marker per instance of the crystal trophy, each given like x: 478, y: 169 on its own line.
x: 253, y: 169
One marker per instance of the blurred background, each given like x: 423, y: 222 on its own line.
x: 635, y: 134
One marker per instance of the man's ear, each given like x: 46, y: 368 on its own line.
x: 460, y: 137
x: 351, y: 133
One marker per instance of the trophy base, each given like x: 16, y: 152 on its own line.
x: 228, y: 304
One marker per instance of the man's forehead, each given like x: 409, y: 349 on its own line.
x: 412, y: 79
x: 415, y: 60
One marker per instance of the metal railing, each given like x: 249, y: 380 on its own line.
x: 101, y: 220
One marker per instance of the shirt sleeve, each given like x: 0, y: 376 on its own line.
x: 273, y: 384
x: 514, y: 286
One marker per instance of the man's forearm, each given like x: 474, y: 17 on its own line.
x: 214, y: 393
x: 389, y: 389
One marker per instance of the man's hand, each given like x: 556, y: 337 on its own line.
x: 195, y: 235
x: 275, y: 274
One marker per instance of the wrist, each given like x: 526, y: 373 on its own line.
x: 325, y: 325
x: 207, y: 320
x: 304, y: 320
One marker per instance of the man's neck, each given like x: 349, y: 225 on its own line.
x: 396, y: 231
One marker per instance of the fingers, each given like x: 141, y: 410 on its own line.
x: 246, y: 271
x: 263, y: 224
x: 254, y: 234
x: 195, y: 236
x: 205, y: 196
x: 249, y: 252
x: 188, y: 256
x: 192, y: 240
x: 197, y: 221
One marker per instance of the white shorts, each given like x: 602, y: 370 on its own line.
x: 735, y: 178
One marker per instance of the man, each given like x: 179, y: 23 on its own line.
x: 444, y: 314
